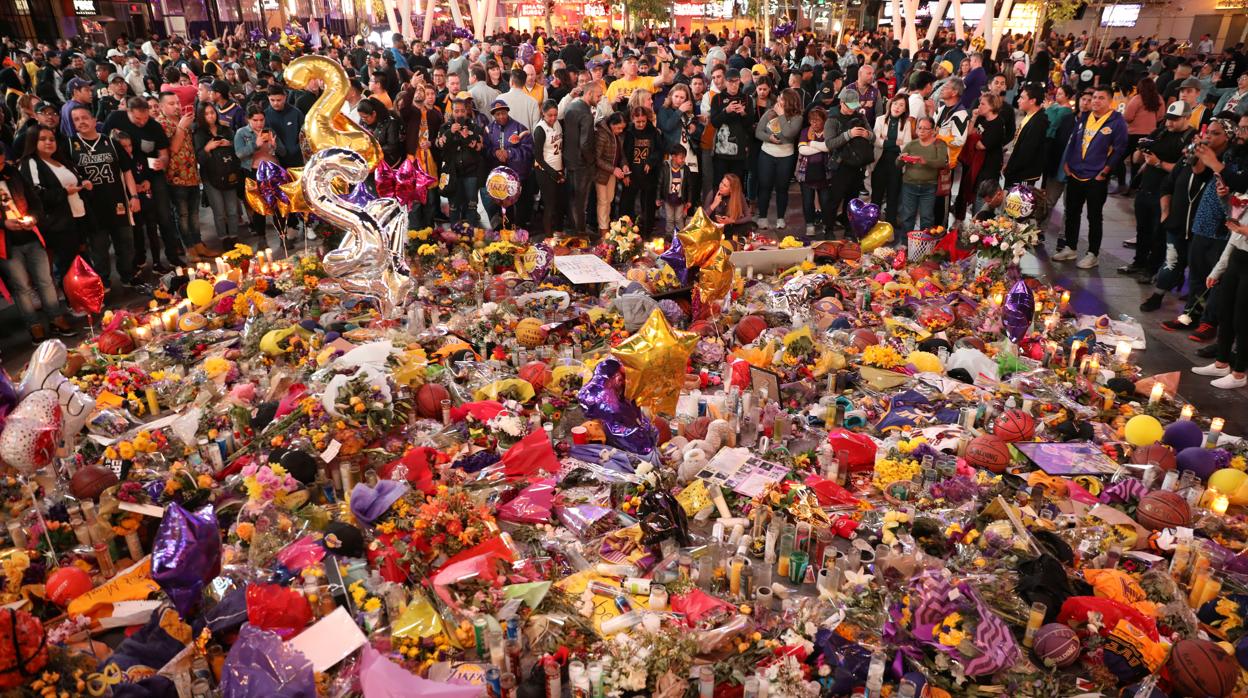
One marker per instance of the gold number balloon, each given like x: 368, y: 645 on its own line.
x: 368, y: 261
x: 325, y: 126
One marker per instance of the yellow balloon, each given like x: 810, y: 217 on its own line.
x: 925, y: 362
x: 199, y: 292
x: 879, y: 235
x: 325, y: 125
x: 1228, y: 481
x: 715, y: 277
x: 1143, y: 430
x: 701, y: 238
x: 271, y: 342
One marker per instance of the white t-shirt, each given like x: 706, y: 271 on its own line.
x: 69, y: 179
x: 552, y: 146
x: 918, y: 106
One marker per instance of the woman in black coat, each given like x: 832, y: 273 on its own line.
x: 55, y: 182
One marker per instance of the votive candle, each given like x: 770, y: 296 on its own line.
x: 1215, y: 431
x: 1187, y: 412
x: 1123, y: 351
x: 1156, y: 394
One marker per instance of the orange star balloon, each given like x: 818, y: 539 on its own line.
x: 701, y: 237
x: 654, y: 362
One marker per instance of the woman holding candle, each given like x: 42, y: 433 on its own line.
x: 23, y: 259
x: 54, y: 181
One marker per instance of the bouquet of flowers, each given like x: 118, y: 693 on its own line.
x: 622, y: 242
x: 1000, y: 238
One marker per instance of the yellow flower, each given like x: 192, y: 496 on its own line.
x: 126, y: 449
x: 1239, y: 463
x: 216, y: 366
x: 372, y: 605
x: 245, y: 530
x: 422, y: 234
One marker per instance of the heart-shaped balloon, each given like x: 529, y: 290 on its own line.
x: 32, y: 432
x: 879, y: 235
x: 862, y: 216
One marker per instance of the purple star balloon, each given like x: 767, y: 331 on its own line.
x: 602, y: 398
x: 1019, y: 308
x: 674, y: 255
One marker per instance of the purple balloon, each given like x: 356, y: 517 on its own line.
x: 1182, y: 435
x: 1200, y: 460
x: 503, y: 185
x: 1020, y: 307
x: 602, y: 398
x: 271, y: 176
x: 862, y: 216
x: 674, y: 255
x: 186, y: 555
x: 8, y: 393
x: 359, y: 195
x: 545, y: 257
x: 1020, y: 201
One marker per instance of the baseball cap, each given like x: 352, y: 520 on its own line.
x: 759, y: 69
x: 114, y: 53
x: 461, y: 96
x: 947, y: 65
x: 827, y: 90
x: 849, y: 97
x: 732, y: 75
x: 499, y: 104
x: 115, y: 77
x: 1190, y: 84
x: 1178, y: 110
x: 453, y: 47
x: 77, y: 84
x: 40, y: 106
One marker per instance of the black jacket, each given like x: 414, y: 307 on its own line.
x: 24, y: 203
x: 389, y: 133
x: 1027, y: 160
x: 53, y: 199
x: 578, y: 136
x: 462, y: 152
x: 46, y: 87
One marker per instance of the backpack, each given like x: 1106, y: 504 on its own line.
x: 857, y: 153
x: 222, y: 169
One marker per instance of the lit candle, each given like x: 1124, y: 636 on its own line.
x: 179, y: 272
x: 1157, y: 393
x: 1215, y: 431
x: 1051, y: 354
x: 1050, y: 321
x: 1065, y: 300
x: 1074, y: 352
x: 1218, y: 504
x: 141, y: 333
x: 152, y: 405
x: 268, y: 254
x: 998, y: 298
x: 1094, y: 368
x: 1186, y: 412
x: 1123, y: 351
x: 170, y: 319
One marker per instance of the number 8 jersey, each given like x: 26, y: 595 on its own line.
x: 102, y: 162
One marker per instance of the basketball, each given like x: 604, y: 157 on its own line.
x: 89, y: 482
x: 749, y: 328
x: 703, y: 328
x: 23, y: 647
x: 67, y: 584
x: 851, y: 252
x: 697, y: 428
x: 1057, y: 645
x: 529, y: 332
x: 863, y: 338
x: 1163, y: 509
x: 114, y: 342
x: 988, y: 452
x: 1015, y: 425
x: 1200, y: 668
x: 429, y: 400
x: 1160, y: 455
x: 536, y: 373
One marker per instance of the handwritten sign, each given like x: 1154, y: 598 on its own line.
x: 587, y: 269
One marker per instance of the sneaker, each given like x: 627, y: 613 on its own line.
x: 810, y: 231
x: 1089, y: 261
x: 1064, y: 255
x: 203, y: 250
x: 1129, y: 270
x: 1212, y: 369
x: 779, y: 224
x: 62, y: 327
x: 1152, y: 303
x: 1129, y: 244
x: 38, y: 335
x: 1204, y: 333
x: 1178, y: 325
x: 1209, y: 351
x: 1229, y: 382
x: 763, y: 224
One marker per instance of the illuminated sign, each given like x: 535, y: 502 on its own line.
x: 594, y: 10
x: 1231, y: 5
x: 85, y: 7
x: 530, y: 9
x: 714, y: 10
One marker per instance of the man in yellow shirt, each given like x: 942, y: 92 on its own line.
x: 622, y: 89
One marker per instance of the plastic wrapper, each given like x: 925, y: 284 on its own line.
x: 382, y: 678
x: 186, y: 553
x: 531, y: 505
x: 587, y: 520
x: 419, y: 619
x: 478, y: 562
x: 859, y: 448
x: 701, y: 609
x: 110, y: 424
x: 531, y: 454
x: 662, y: 517
x: 1077, y: 610
x: 260, y: 665
x: 277, y: 608
x: 709, y: 640
x: 301, y: 553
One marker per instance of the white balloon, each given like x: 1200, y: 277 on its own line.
x: 32, y: 432
x: 43, y: 372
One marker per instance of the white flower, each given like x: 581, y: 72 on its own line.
x: 974, y: 238
x: 1005, y: 245
x: 489, y: 308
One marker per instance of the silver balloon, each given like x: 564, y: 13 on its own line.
x: 368, y: 260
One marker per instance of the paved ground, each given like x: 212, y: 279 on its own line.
x: 1096, y: 291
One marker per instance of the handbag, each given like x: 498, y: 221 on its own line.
x: 944, y: 182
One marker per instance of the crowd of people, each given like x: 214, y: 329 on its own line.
x: 111, y: 152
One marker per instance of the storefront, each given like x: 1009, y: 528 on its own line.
x: 217, y: 17
x: 712, y: 15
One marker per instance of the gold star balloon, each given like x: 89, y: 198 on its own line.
x: 654, y: 361
x: 715, y: 277
x: 700, y: 238
x: 294, y: 191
